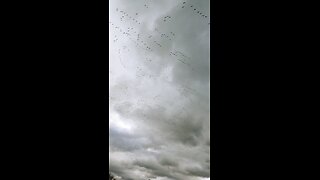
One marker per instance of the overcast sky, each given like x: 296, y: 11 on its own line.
x: 159, y: 89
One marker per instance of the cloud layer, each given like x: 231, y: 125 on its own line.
x: 159, y: 89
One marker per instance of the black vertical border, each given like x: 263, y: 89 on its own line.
x: 102, y: 86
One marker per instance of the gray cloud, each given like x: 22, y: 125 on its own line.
x: 159, y: 89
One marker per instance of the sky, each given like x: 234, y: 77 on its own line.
x: 159, y: 89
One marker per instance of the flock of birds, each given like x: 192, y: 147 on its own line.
x: 129, y: 29
x: 154, y: 41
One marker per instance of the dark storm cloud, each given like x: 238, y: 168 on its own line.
x: 126, y: 142
x: 168, y: 162
x: 159, y: 98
